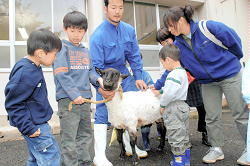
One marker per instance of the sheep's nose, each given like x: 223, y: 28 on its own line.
x: 108, y: 87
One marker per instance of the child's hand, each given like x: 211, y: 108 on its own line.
x: 35, y: 134
x: 248, y: 106
x: 152, y: 87
x: 162, y: 110
x: 100, y: 80
x: 78, y: 100
x: 156, y: 92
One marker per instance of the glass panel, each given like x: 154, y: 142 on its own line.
x: 4, y: 20
x: 65, y: 7
x: 32, y: 15
x: 150, y: 58
x: 5, y: 57
x: 146, y: 23
x: 162, y: 10
x: 128, y: 15
x: 21, y: 51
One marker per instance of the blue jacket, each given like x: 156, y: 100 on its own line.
x: 207, y: 61
x: 112, y: 46
x: 26, y: 100
x: 161, y: 82
x: 73, y: 72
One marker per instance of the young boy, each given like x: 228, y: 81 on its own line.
x: 27, y: 102
x: 173, y: 107
x: 73, y: 73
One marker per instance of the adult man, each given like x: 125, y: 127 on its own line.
x: 111, y: 45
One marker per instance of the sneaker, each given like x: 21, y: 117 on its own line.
x: 243, y: 159
x: 214, y: 154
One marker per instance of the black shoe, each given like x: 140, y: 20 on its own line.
x: 205, y: 139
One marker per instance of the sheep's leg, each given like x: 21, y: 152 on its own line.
x: 162, y: 129
x: 121, y: 144
x: 133, y: 140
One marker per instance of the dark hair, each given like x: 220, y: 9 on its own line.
x: 43, y: 39
x: 163, y: 34
x: 170, y: 51
x: 106, y: 2
x: 172, y: 15
x: 75, y: 19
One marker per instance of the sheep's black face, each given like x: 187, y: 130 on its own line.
x: 110, y: 78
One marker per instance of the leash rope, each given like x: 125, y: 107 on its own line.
x: 95, y: 102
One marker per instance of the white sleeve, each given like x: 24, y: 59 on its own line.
x: 172, y: 86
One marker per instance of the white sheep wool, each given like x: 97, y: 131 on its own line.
x: 133, y: 109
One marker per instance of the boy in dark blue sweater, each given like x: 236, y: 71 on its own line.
x: 27, y: 102
x: 73, y: 73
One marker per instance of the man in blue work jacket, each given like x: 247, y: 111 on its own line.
x: 111, y: 45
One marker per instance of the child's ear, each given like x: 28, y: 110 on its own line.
x: 39, y: 52
x: 123, y: 76
x: 99, y: 71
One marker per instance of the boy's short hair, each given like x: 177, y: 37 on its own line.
x: 106, y: 2
x: 163, y: 34
x: 75, y: 19
x: 43, y: 39
x: 170, y: 51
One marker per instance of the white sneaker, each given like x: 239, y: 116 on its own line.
x: 214, y: 154
x: 100, y: 135
x: 243, y: 159
x: 140, y: 153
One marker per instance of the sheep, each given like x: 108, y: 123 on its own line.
x: 130, y: 110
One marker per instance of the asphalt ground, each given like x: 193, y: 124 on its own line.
x: 14, y: 152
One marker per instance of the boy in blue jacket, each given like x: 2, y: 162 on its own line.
x: 73, y: 73
x: 27, y: 102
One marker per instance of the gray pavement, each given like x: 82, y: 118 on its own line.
x: 14, y: 152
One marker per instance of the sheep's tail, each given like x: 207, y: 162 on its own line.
x: 113, y: 136
x: 89, y: 101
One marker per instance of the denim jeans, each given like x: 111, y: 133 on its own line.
x: 43, y: 150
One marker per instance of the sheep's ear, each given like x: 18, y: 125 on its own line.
x: 123, y: 76
x: 99, y: 71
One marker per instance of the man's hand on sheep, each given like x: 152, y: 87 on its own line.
x: 162, y: 110
x: 106, y: 94
x: 78, y: 100
x: 140, y: 84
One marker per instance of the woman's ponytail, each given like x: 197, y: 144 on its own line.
x: 188, y: 13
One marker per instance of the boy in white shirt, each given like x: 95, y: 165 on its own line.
x: 173, y: 107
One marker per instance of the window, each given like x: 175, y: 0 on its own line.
x: 21, y: 51
x: 65, y: 7
x: 4, y: 20
x: 128, y: 15
x: 18, y: 18
x: 146, y: 23
x: 5, y: 57
x: 30, y: 16
x: 162, y: 10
